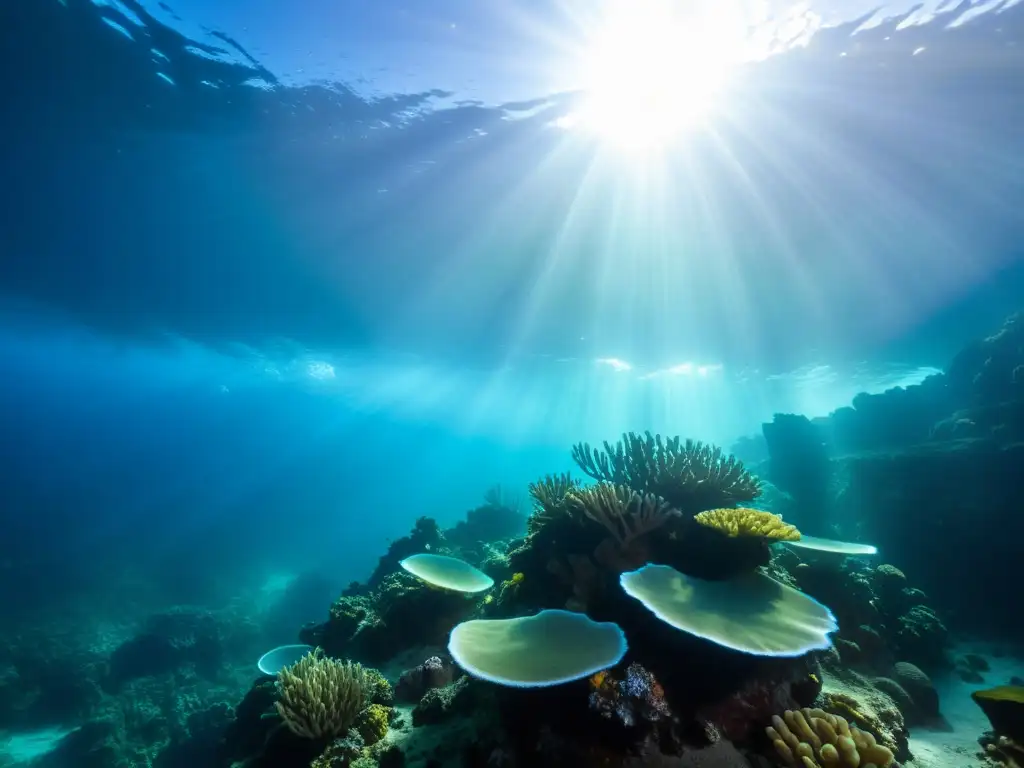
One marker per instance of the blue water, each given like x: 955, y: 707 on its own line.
x: 241, y: 301
x: 275, y: 280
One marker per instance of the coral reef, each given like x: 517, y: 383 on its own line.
x: 882, y: 619
x: 650, y: 617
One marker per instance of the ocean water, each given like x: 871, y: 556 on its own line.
x: 278, y: 281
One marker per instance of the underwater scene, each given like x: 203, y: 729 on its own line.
x: 521, y: 384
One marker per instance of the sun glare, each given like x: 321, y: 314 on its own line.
x: 653, y: 68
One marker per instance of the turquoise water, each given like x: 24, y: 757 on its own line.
x: 280, y: 279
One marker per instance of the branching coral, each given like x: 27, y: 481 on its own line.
x: 624, y: 512
x: 743, y: 521
x: 549, y: 496
x: 321, y: 697
x: 691, y: 476
x: 812, y: 738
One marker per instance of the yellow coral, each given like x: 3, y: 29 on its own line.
x: 812, y: 738
x: 378, y: 688
x: 372, y: 723
x: 744, y: 521
x: 321, y: 697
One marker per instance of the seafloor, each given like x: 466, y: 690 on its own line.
x: 674, y: 604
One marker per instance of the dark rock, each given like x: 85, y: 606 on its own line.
x: 441, y: 704
x: 916, y: 683
x: 413, y: 683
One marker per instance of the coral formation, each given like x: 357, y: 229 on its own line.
x: 853, y: 696
x: 636, y: 696
x: 413, y: 683
x: 552, y: 647
x: 321, y: 697
x: 882, y: 618
x: 447, y: 573
x: 816, y: 739
x: 691, y: 476
x: 624, y: 513
x: 743, y: 521
x: 549, y: 497
x: 752, y: 614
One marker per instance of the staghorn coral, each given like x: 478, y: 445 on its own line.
x: 813, y: 738
x: 624, y: 512
x: 321, y: 697
x: 691, y: 476
x: 744, y: 521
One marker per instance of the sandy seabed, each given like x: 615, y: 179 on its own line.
x: 954, y: 743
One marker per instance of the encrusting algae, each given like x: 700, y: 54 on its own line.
x: 744, y: 521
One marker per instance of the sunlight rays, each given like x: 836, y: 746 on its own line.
x: 688, y: 203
